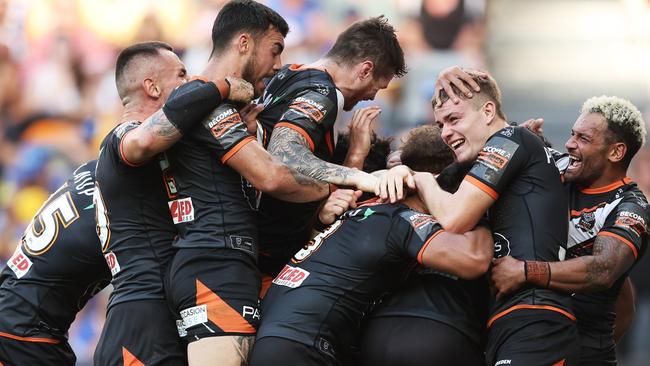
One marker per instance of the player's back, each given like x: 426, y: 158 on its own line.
x: 133, y: 220
x: 307, y: 101
x: 58, y: 265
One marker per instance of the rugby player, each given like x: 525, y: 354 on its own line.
x: 433, y: 316
x: 213, y: 282
x: 608, y: 225
x: 133, y: 221
x: 56, y: 268
x: 514, y: 179
x: 302, y: 104
x: 313, y: 310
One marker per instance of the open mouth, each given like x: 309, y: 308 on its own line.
x: 456, y: 144
x: 574, y: 162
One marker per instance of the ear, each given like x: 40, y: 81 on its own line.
x: 366, y: 69
x: 489, y: 111
x: 617, y: 152
x: 244, y: 43
x: 151, y: 88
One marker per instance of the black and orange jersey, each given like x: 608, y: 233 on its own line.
x: 215, y: 205
x: 307, y: 101
x: 320, y: 296
x: 133, y: 221
x: 429, y: 294
x: 58, y: 265
x: 619, y: 210
x: 528, y: 217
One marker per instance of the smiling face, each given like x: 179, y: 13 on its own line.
x: 264, y: 59
x: 464, y: 128
x: 588, y: 149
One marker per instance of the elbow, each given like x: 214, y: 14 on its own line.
x: 478, y: 265
x: 455, y: 224
x: 269, y: 185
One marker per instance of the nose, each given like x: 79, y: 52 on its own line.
x: 571, y: 144
x: 446, y: 133
x: 278, y: 64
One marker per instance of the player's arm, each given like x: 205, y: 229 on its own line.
x: 625, y: 309
x: 292, y: 148
x: 611, y: 258
x: 465, y: 255
x: 270, y: 176
x: 187, y: 105
x: 458, y: 212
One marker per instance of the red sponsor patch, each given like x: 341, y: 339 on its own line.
x: 182, y: 210
x: 419, y: 220
x: 493, y: 159
x: 631, y: 221
x: 291, y: 276
x: 113, y: 264
x: 308, y: 109
x: 19, y: 263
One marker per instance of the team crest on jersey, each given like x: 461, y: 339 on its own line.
x: 309, y: 108
x: 181, y: 210
x: 19, y: 263
x: 291, y: 276
x: 322, y: 89
x: 587, y: 221
x: 113, y: 264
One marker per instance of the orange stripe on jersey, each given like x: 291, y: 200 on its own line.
x: 534, y: 307
x: 607, y: 188
x: 625, y: 241
x: 220, y: 313
x: 129, y: 359
x: 121, y: 149
x: 233, y: 150
x: 266, y: 284
x: 30, y: 339
x: 483, y: 187
x: 559, y: 363
x: 300, y: 131
x: 426, y: 244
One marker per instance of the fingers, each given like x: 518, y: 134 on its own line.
x: 398, y: 194
x: 456, y: 76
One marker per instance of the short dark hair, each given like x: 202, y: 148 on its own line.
x: 244, y: 16
x: 376, y: 159
x: 371, y: 39
x: 425, y: 151
x: 127, y: 55
x: 489, y: 92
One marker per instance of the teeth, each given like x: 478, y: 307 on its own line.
x: 457, y: 143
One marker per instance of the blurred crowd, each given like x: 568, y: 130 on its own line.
x: 58, y: 96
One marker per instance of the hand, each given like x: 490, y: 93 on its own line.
x: 249, y: 115
x: 458, y: 77
x: 391, y: 184
x: 241, y: 91
x: 507, y: 275
x: 365, y: 181
x: 338, y: 202
x: 361, y: 132
x: 534, y: 125
x: 423, y: 179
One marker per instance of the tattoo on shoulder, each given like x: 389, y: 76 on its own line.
x: 293, y: 150
x: 160, y: 125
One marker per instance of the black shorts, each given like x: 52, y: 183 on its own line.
x: 597, y: 349
x: 533, y: 337
x: 413, y: 341
x: 214, y: 292
x: 142, y: 330
x: 19, y: 351
x: 274, y: 351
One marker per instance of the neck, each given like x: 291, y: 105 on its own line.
x: 414, y: 202
x: 138, y: 111
x: 339, y: 74
x: 497, y: 124
x: 609, y: 176
x: 220, y: 66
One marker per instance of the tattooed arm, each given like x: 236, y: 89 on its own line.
x: 610, y: 259
x: 154, y: 135
x: 293, y: 150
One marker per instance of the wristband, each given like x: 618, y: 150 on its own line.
x: 537, y: 273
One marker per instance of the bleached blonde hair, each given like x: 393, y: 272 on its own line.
x: 623, y: 119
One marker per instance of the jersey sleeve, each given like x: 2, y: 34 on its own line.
x: 418, y: 230
x: 500, y: 160
x: 224, y: 131
x: 629, y: 224
x: 113, y: 143
x: 311, y: 113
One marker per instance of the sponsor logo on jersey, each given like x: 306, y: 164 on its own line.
x: 503, y: 362
x: 494, y: 157
x: 250, y: 312
x: 224, y: 122
x: 309, y: 108
x: 419, y: 220
x: 632, y: 221
x: 19, y: 263
x: 291, y: 276
x: 113, y: 264
x: 194, y: 316
x: 182, y: 210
